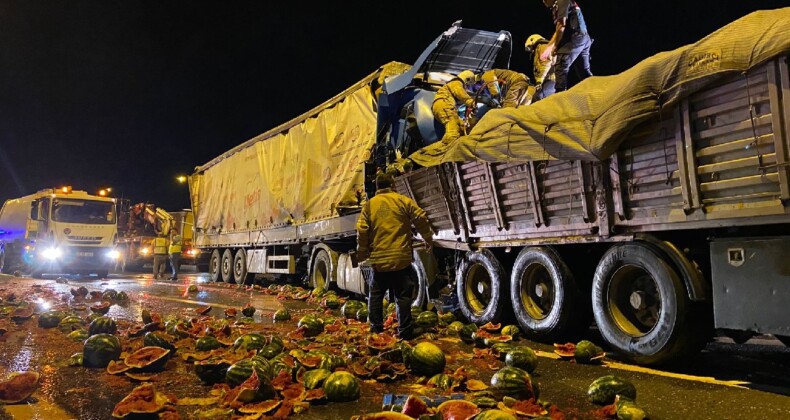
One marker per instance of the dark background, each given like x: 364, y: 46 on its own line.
x: 130, y: 94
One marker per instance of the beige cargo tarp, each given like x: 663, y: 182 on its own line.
x: 296, y: 173
x: 589, y: 121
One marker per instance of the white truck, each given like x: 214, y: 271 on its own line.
x: 58, y: 231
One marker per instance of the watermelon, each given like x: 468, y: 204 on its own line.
x: 522, y: 358
x: 447, y: 318
x: 362, y: 314
x: 467, y: 333
x: 19, y: 387
x: 494, y: 415
x: 99, y: 349
x: 92, y: 317
x: 311, y: 324
x: 248, y: 310
x: 427, y: 319
x: 511, y: 330
x: 454, y: 328
x: 211, y: 371
x: 604, y: 389
x: 628, y: 410
x: 75, y: 360
x: 281, y: 315
x: 122, y: 297
x: 514, y: 382
x: 331, y: 302
x: 457, y: 409
x: 350, y: 308
x: 50, y: 319
x: 148, y: 358
x: 588, y: 353
x: 241, y: 371
x: 249, y: 342
x: 427, y: 359
x: 207, y: 343
x: 341, y: 386
x: 109, y: 295
x: 442, y: 381
x: 70, y: 323
x: 102, y: 325
x: 78, y: 335
x: 159, y: 340
x: 315, y: 378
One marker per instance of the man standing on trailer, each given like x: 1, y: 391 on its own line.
x: 570, y: 42
x: 384, y: 238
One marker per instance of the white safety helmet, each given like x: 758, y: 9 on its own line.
x: 467, y: 76
x: 532, y: 41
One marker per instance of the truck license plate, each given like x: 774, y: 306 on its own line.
x: 85, y: 254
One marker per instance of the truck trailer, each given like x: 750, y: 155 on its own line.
x: 58, y: 231
x: 654, y: 202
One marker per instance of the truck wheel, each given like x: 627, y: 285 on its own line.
x: 240, y: 274
x: 640, y: 305
x: 214, y: 264
x: 321, y: 271
x: 226, y: 266
x: 546, y: 300
x: 4, y: 267
x: 419, y: 296
x: 482, y: 287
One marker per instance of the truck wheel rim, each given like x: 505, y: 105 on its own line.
x: 320, y: 272
x: 536, y: 291
x: 634, y: 300
x: 477, y: 288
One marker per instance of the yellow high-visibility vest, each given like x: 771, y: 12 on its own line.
x: 175, y: 245
x: 160, y: 246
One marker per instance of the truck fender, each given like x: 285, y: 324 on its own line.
x: 697, y: 288
x: 333, y: 256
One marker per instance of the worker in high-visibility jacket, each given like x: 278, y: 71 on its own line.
x: 160, y: 255
x: 175, y: 253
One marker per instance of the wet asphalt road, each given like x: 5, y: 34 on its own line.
x: 724, y: 381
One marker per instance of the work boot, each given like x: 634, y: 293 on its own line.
x: 411, y: 334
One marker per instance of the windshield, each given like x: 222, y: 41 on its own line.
x: 83, y: 211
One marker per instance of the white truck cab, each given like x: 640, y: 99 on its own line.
x: 58, y: 231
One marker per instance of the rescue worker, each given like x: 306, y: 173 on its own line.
x: 175, y: 253
x: 447, y: 100
x: 384, y: 238
x: 570, y: 42
x: 542, y: 70
x: 507, y: 88
x: 160, y: 255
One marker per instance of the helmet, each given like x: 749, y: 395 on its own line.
x: 532, y: 41
x: 467, y: 76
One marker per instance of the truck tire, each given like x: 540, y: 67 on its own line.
x: 482, y: 287
x: 321, y: 270
x: 214, y: 264
x: 419, y: 274
x: 641, y: 306
x: 546, y: 300
x: 240, y: 274
x: 226, y: 266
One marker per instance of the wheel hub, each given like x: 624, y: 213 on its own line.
x: 541, y: 290
x: 637, y: 300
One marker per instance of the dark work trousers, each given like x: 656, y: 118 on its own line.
x: 401, y: 285
x: 175, y: 260
x: 160, y: 262
x: 546, y: 90
x: 575, y: 54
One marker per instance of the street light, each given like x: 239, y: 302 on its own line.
x: 104, y: 192
x: 181, y: 178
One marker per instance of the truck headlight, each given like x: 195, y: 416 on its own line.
x: 144, y: 251
x: 52, y: 253
x: 113, y: 255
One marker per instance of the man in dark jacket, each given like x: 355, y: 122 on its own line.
x: 385, y: 239
x: 570, y: 42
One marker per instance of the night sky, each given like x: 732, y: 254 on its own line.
x: 130, y: 94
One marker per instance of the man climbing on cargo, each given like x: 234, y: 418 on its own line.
x: 384, y: 238
x: 542, y: 70
x: 506, y: 88
x: 447, y: 100
x: 160, y: 255
x: 570, y: 42
x: 175, y: 253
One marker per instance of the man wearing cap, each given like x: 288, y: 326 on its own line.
x: 384, y: 238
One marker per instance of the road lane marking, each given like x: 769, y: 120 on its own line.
x: 193, y: 302
x: 649, y: 371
